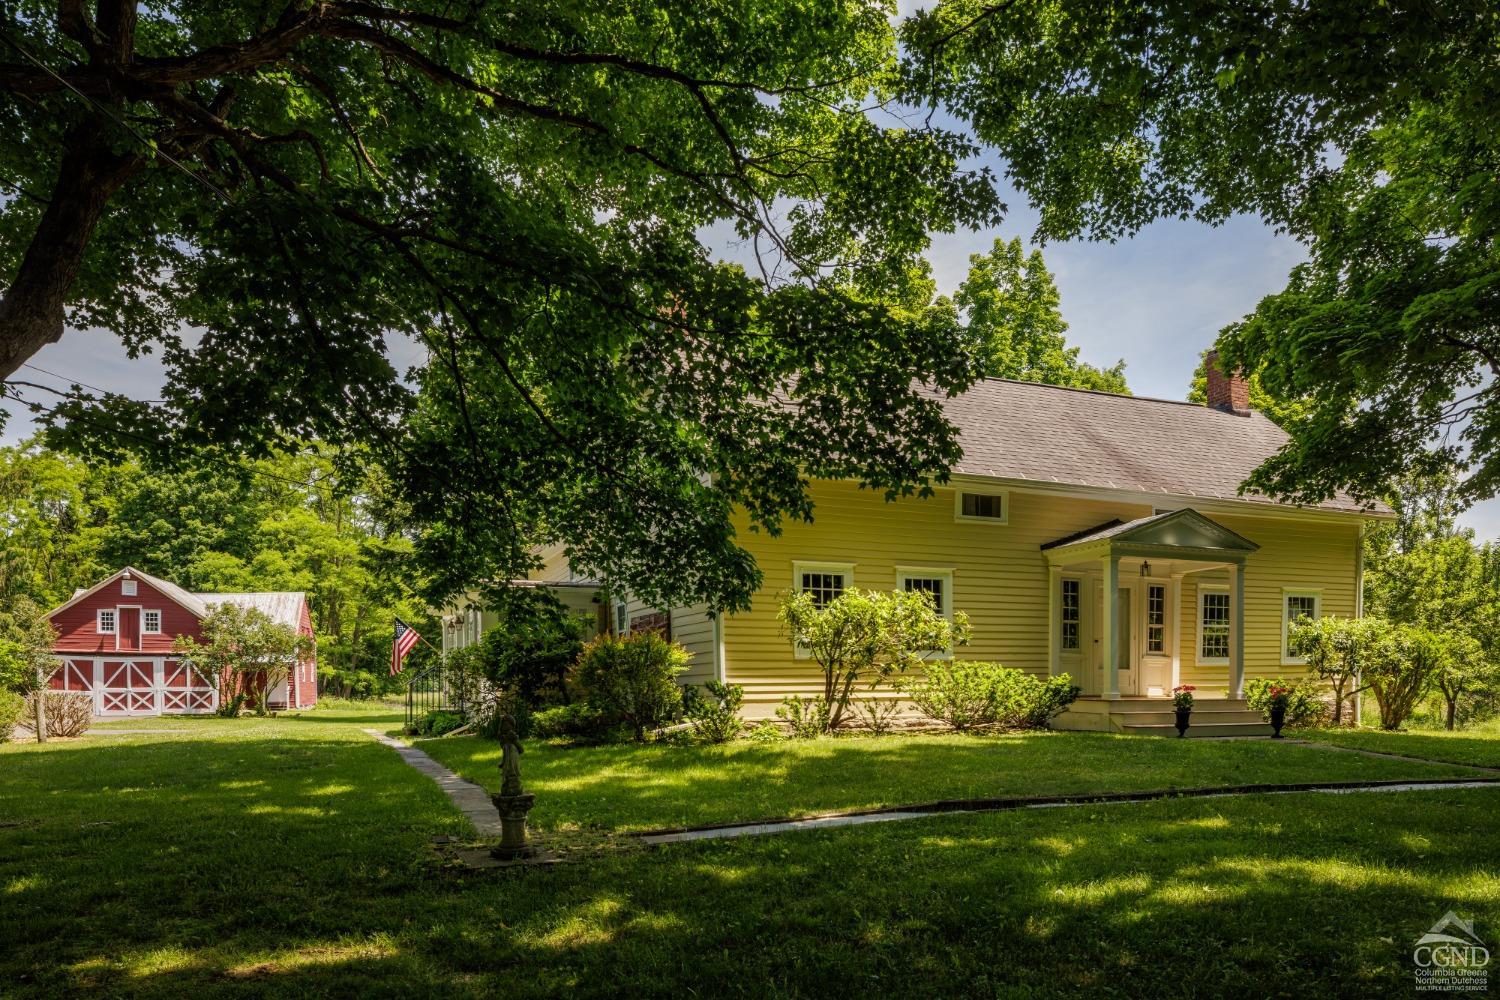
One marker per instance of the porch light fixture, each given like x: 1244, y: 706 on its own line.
x: 1145, y: 569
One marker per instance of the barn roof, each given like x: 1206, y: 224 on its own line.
x: 190, y: 602
x: 281, y: 606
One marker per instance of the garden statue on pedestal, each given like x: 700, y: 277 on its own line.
x: 513, y: 803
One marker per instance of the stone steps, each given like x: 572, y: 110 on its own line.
x: 1200, y: 717
x: 1199, y: 729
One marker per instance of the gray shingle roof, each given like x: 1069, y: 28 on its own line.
x: 1077, y: 437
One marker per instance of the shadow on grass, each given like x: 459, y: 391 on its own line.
x: 1296, y: 896
x: 618, y: 788
x: 1482, y: 750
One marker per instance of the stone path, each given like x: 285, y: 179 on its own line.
x: 473, y: 801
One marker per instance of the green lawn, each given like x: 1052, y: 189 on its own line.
x: 615, y: 788
x: 1481, y: 748
x: 288, y: 857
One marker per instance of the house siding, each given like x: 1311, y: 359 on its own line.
x: 1294, y: 554
x: 1001, y: 579
x: 999, y: 574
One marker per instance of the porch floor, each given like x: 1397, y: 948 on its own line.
x: 1139, y: 715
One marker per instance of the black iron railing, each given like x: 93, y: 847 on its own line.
x: 443, y: 686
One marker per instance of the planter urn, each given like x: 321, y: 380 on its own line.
x: 1278, y: 719
x: 1182, y: 721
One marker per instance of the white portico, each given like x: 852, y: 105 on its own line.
x: 1127, y: 638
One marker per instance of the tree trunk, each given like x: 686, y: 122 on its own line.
x: 1452, y: 704
x: 40, y: 706
x: 33, y: 306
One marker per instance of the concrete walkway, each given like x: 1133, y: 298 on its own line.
x: 1391, y: 756
x: 824, y: 822
x: 473, y: 801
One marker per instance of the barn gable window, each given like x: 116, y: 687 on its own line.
x: 151, y: 622
x: 106, y: 621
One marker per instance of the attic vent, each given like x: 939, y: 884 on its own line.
x: 990, y: 507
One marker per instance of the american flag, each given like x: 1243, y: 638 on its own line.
x: 406, y: 637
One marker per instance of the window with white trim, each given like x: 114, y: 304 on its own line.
x: 127, y: 588
x: 1213, y: 625
x: 1070, y: 626
x: 151, y: 622
x: 823, y: 581
x: 936, y: 583
x: 105, y: 620
x: 1156, y: 618
x: 1297, y: 604
x: 993, y: 507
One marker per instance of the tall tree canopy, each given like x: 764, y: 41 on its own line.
x: 1011, y: 303
x: 1366, y: 130
x: 523, y: 190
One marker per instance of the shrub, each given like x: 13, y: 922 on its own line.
x: 1337, y: 651
x: 576, y: 721
x: 1303, y: 706
x: 244, y: 653
x: 633, y: 678
x: 439, y: 722
x: 715, y: 710
x: 1038, y: 702
x: 878, y: 714
x: 12, y: 706
x: 1402, y: 667
x: 766, y: 731
x: 867, y: 636
x: 960, y: 695
x: 69, y: 713
x: 805, y: 719
x: 487, y: 712
x: 537, y: 641
x: 969, y: 694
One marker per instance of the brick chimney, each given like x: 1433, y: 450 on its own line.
x: 1230, y: 393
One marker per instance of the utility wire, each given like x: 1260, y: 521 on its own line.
x: 73, y: 381
x: 108, y: 113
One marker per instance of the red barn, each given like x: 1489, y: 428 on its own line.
x: 114, y: 640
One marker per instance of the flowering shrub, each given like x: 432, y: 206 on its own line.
x: 1182, y: 697
x: 1303, y: 707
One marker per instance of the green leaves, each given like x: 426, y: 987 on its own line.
x: 1012, y: 308
x: 866, y: 636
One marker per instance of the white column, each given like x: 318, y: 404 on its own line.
x: 1237, y: 631
x: 1175, y: 596
x: 1110, y: 626
x: 1054, y: 619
